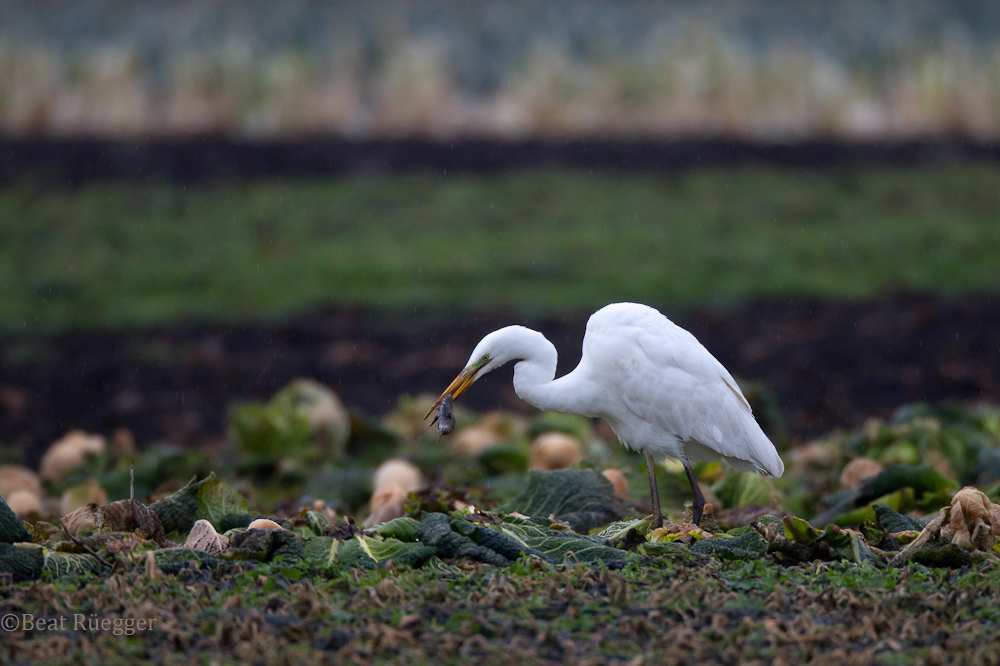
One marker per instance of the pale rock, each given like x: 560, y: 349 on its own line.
x: 14, y: 478
x: 493, y: 429
x: 203, y: 537
x: 554, y: 450
x: 474, y: 440
x: 397, y: 472
x: 387, y: 503
x: 857, y: 471
x: 69, y: 453
x: 24, y: 502
x: 814, y: 456
x: 618, y: 481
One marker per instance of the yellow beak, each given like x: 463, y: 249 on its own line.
x: 457, y: 387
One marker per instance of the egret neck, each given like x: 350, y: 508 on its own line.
x: 534, y: 376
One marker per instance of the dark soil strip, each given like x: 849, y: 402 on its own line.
x: 829, y: 364
x: 207, y: 159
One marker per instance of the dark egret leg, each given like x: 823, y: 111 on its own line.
x: 698, y: 505
x: 654, y: 494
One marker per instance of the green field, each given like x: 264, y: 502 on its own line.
x: 122, y: 255
x: 655, y: 611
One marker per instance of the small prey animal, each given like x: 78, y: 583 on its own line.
x: 445, y: 417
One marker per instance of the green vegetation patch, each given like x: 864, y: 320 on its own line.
x: 456, y: 582
x: 667, y: 610
x: 125, y: 255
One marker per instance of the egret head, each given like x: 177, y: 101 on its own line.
x: 496, y: 349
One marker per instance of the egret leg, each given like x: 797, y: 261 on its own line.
x: 654, y: 494
x: 698, y: 505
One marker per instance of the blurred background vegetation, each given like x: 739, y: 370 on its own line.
x: 758, y: 69
x: 116, y: 256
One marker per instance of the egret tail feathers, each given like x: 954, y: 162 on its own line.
x: 755, y: 453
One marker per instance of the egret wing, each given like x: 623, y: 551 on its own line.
x: 673, y: 387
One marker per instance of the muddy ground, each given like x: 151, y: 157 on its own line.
x: 829, y: 364
x: 75, y: 161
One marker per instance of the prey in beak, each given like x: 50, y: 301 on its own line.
x: 458, y: 387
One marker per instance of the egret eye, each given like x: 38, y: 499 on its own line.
x: 486, y: 357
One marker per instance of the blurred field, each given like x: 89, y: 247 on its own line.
x: 757, y: 70
x: 135, y: 255
x: 248, y: 243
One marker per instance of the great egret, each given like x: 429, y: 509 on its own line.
x: 661, y: 391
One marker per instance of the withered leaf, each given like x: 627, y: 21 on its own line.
x: 129, y: 515
x: 203, y: 537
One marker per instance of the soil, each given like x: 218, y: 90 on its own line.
x: 828, y: 364
x: 74, y: 161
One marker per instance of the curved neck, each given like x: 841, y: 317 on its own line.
x: 534, y: 377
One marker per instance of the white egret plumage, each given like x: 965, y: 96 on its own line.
x: 661, y: 391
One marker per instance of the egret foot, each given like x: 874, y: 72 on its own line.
x: 698, y: 503
x: 654, y: 495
